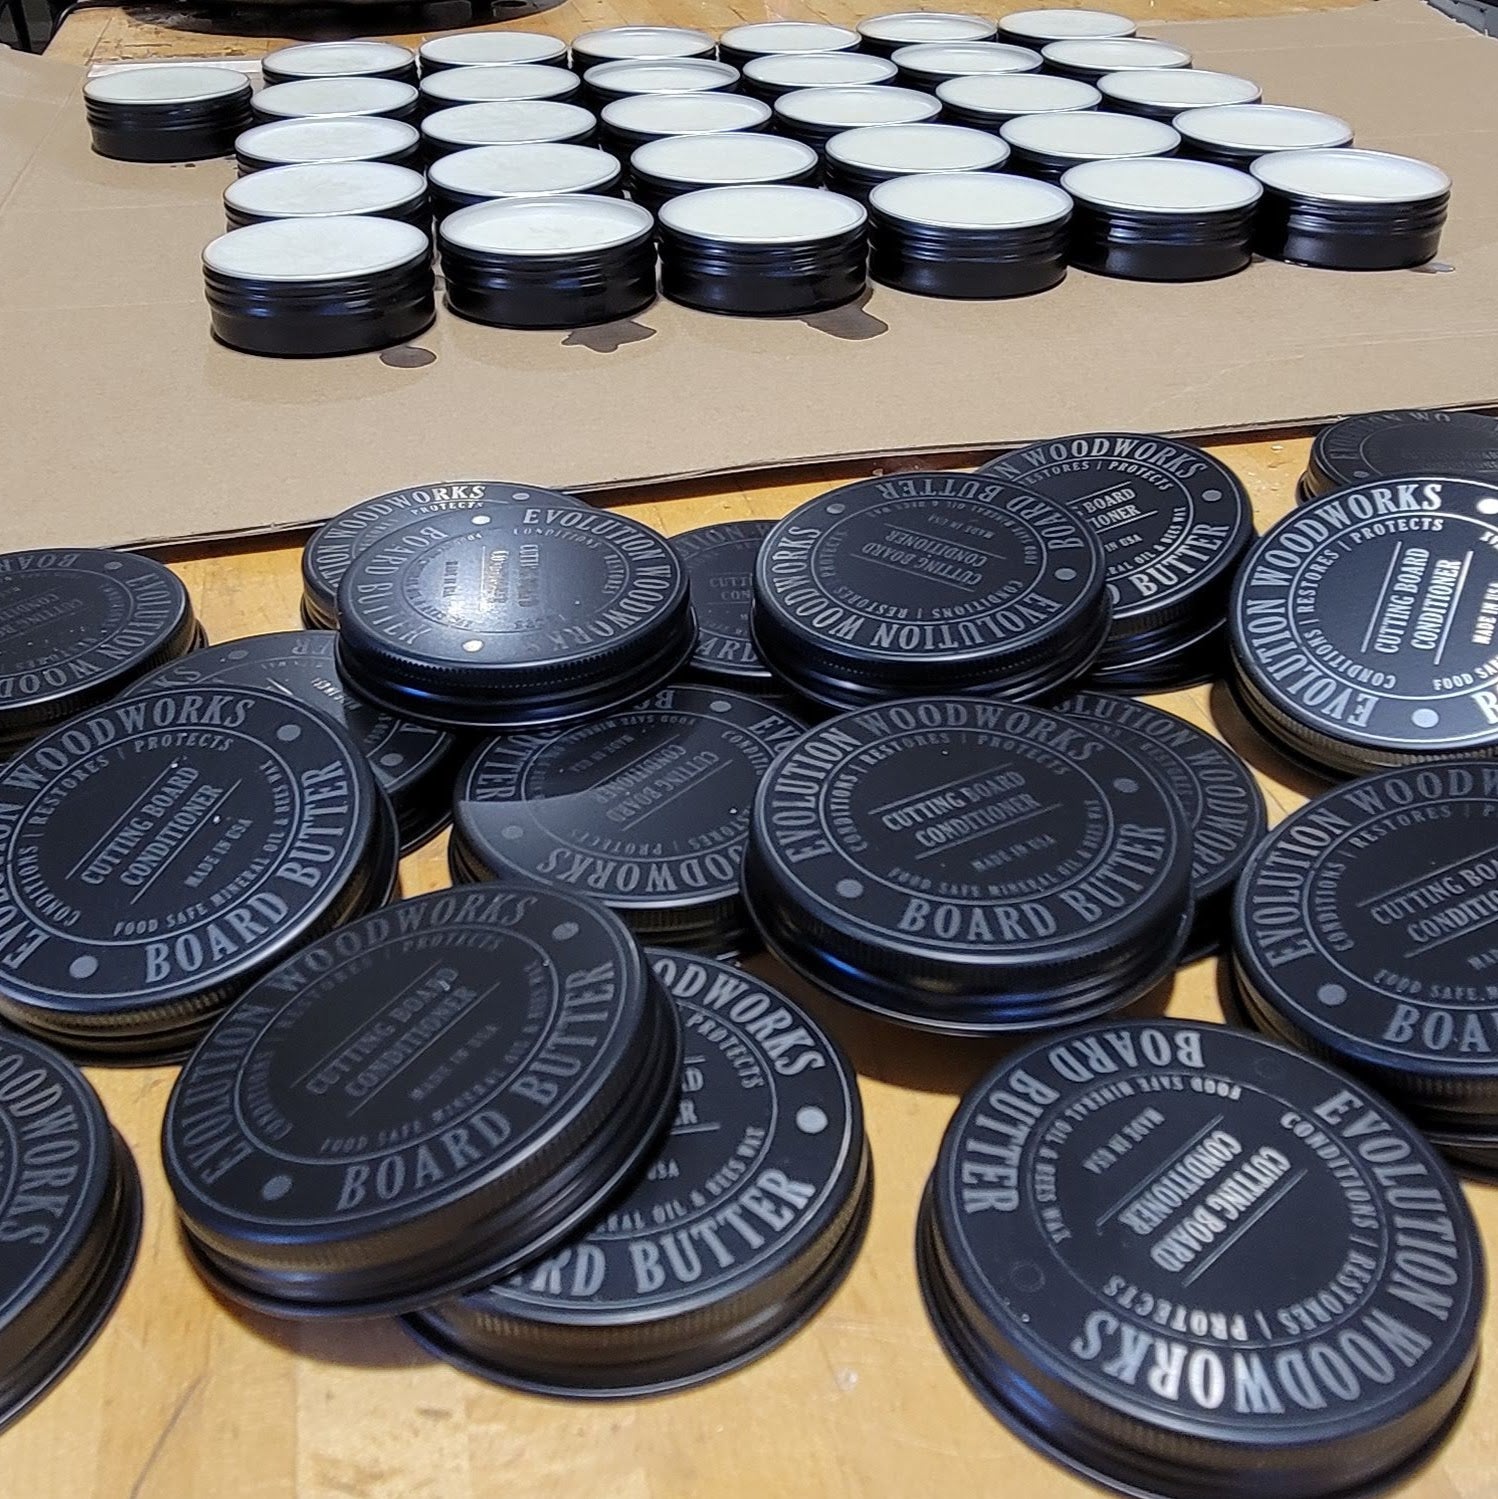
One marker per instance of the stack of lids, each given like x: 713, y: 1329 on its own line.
x: 719, y: 560
x: 1376, y: 445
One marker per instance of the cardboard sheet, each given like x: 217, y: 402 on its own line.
x: 122, y: 422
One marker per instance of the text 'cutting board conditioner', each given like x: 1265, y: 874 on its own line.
x: 743, y: 1224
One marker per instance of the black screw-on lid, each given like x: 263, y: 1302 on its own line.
x: 1360, y: 450
x: 720, y: 568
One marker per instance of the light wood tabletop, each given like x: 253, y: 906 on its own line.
x: 184, y: 1398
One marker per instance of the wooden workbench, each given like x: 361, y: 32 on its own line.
x: 183, y: 1398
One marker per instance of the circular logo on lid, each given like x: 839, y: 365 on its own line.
x: 1390, y: 444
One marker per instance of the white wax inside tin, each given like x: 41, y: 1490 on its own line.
x: 521, y: 80
x: 1178, y: 88
x: 789, y: 36
x: 971, y: 200
x: 717, y: 160
x: 1090, y: 133
x: 1162, y: 184
x: 325, y: 187
x: 910, y: 27
x: 165, y: 83
x: 1113, y: 55
x: 850, y: 107
x: 793, y: 70
x: 1347, y: 176
x: 511, y: 122
x: 1264, y: 127
x: 345, y: 138
x: 763, y: 214
x: 478, y: 49
x: 1018, y: 93
x: 685, y: 75
x: 546, y: 226
x: 515, y: 171
x: 964, y: 59
x: 685, y: 114
x: 642, y: 41
x: 340, y: 59
x: 315, y: 249
x: 919, y: 148
x: 305, y: 97
x: 1062, y: 25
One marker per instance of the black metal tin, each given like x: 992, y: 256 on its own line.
x: 780, y: 73
x: 431, y: 1132
x: 77, y: 626
x: 166, y: 112
x: 1377, y: 445
x: 321, y: 189
x: 664, y: 169
x: 744, y: 1224
x: 626, y: 124
x: 815, y: 115
x: 926, y: 66
x: 353, y: 59
x: 1034, y: 28
x: 495, y: 275
x: 373, y: 286
x: 337, y: 542
x: 513, y: 83
x: 763, y: 250
x: 1236, y: 135
x: 520, y: 122
x: 885, y: 35
x: 1050, y: 145
x: 767, y: 38
x: 987, y: 100
x: 490, y: 49
x: 968, y: 234
x: 1199, y: 658
x: 323, y: 98
x: 1351, y: 210
x: 1092, y: 58
x: 720, y: 570
x: 282, y: 143
x: 1327, y: 1346
x: 70, y: 1201
x: 969, y: 867
x: 606, y: 81
x: 1162, y: 218
x: 858, y: 161
x: 596, y: 614
x: 168, y: 849
x: 1163, y: 93
x: 485, y: 174
x: 645, y: 809
x: 608, y: 43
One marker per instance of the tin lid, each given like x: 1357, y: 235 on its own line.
x: 722, y: 160
x: 564, y: 224
x: 788, y: 36
x: 508, y: 123
x: 1089, y: 135
x: 306, y: 98
x: 481, y: 49
x: 749, y: 1216
x: 785, y: 71
x: 319, y: 189
x: 845, y: 108
x: 334, y: 138
x: 1162, y: 185
x: 338, y: 59
x: 1389, y: 444
x: 165, y: 83
x: 720, y: 569
x: 919, y: 148
x: 643, y: 41
x: 660, y: 75
x: 379, y: 1123
x: 1231, y: 1214
x: 536, y: 168
x: 517, y: 81
x: 301, y: 250
x: 1064, y: 25
x: 965, y: 59
x: 763, y: 214
x: 1261, y: 128
x: 685, y: 114
x: 970, y: 200
x: 1351, y: 176
x: 909, y: 28
x: 1096, y: 56
x: 1177, y: 89
x: 1011, y: 94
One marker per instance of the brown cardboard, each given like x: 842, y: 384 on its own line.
x: 123, y: 422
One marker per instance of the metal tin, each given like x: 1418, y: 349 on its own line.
x: 322, y: 98
x: 676, y: 164
x: 337, y: 542
x: 859, y: 160
x: 815, y: 115
x: 338, y: 138
x: 763, y: 38
x: 1199, y: 658
x: 308, y: 287
x: 627, y: 124
x: 168, y: 849
x: 543, y: 170
x: 77, y: 626
x: 1236, y: 135
x: 886, y: 34
x: 514, y: 83
x: 1049, y: 145
x: 610, y: 42
x: 744, y: 1224
x: 988, y: 100
x: 969, y: 867
x: 1044, y: 1179
x: 166, y: 112
x: 1162, y: 218
x: 968, y: 234
x: 932, y: 63
x: 606, y: 81
x: 1036, y: 27
x: 490, y: 49
x: 1091, y: 58
x: 425, y: 631
x: 565, y: 261
x: 1163, y: 93
x: 780, y: 73
x: 71, y: 1202
x: 1351, y: 210
x: 320, y: 189
x: 522, y: 1120
x: 355, y: 59
x: 763, y: 250
x: 929, y: 582
x: 720, y: 570
x: 519, y: 122
x: 1376, y: 445
x: 645, y: 809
